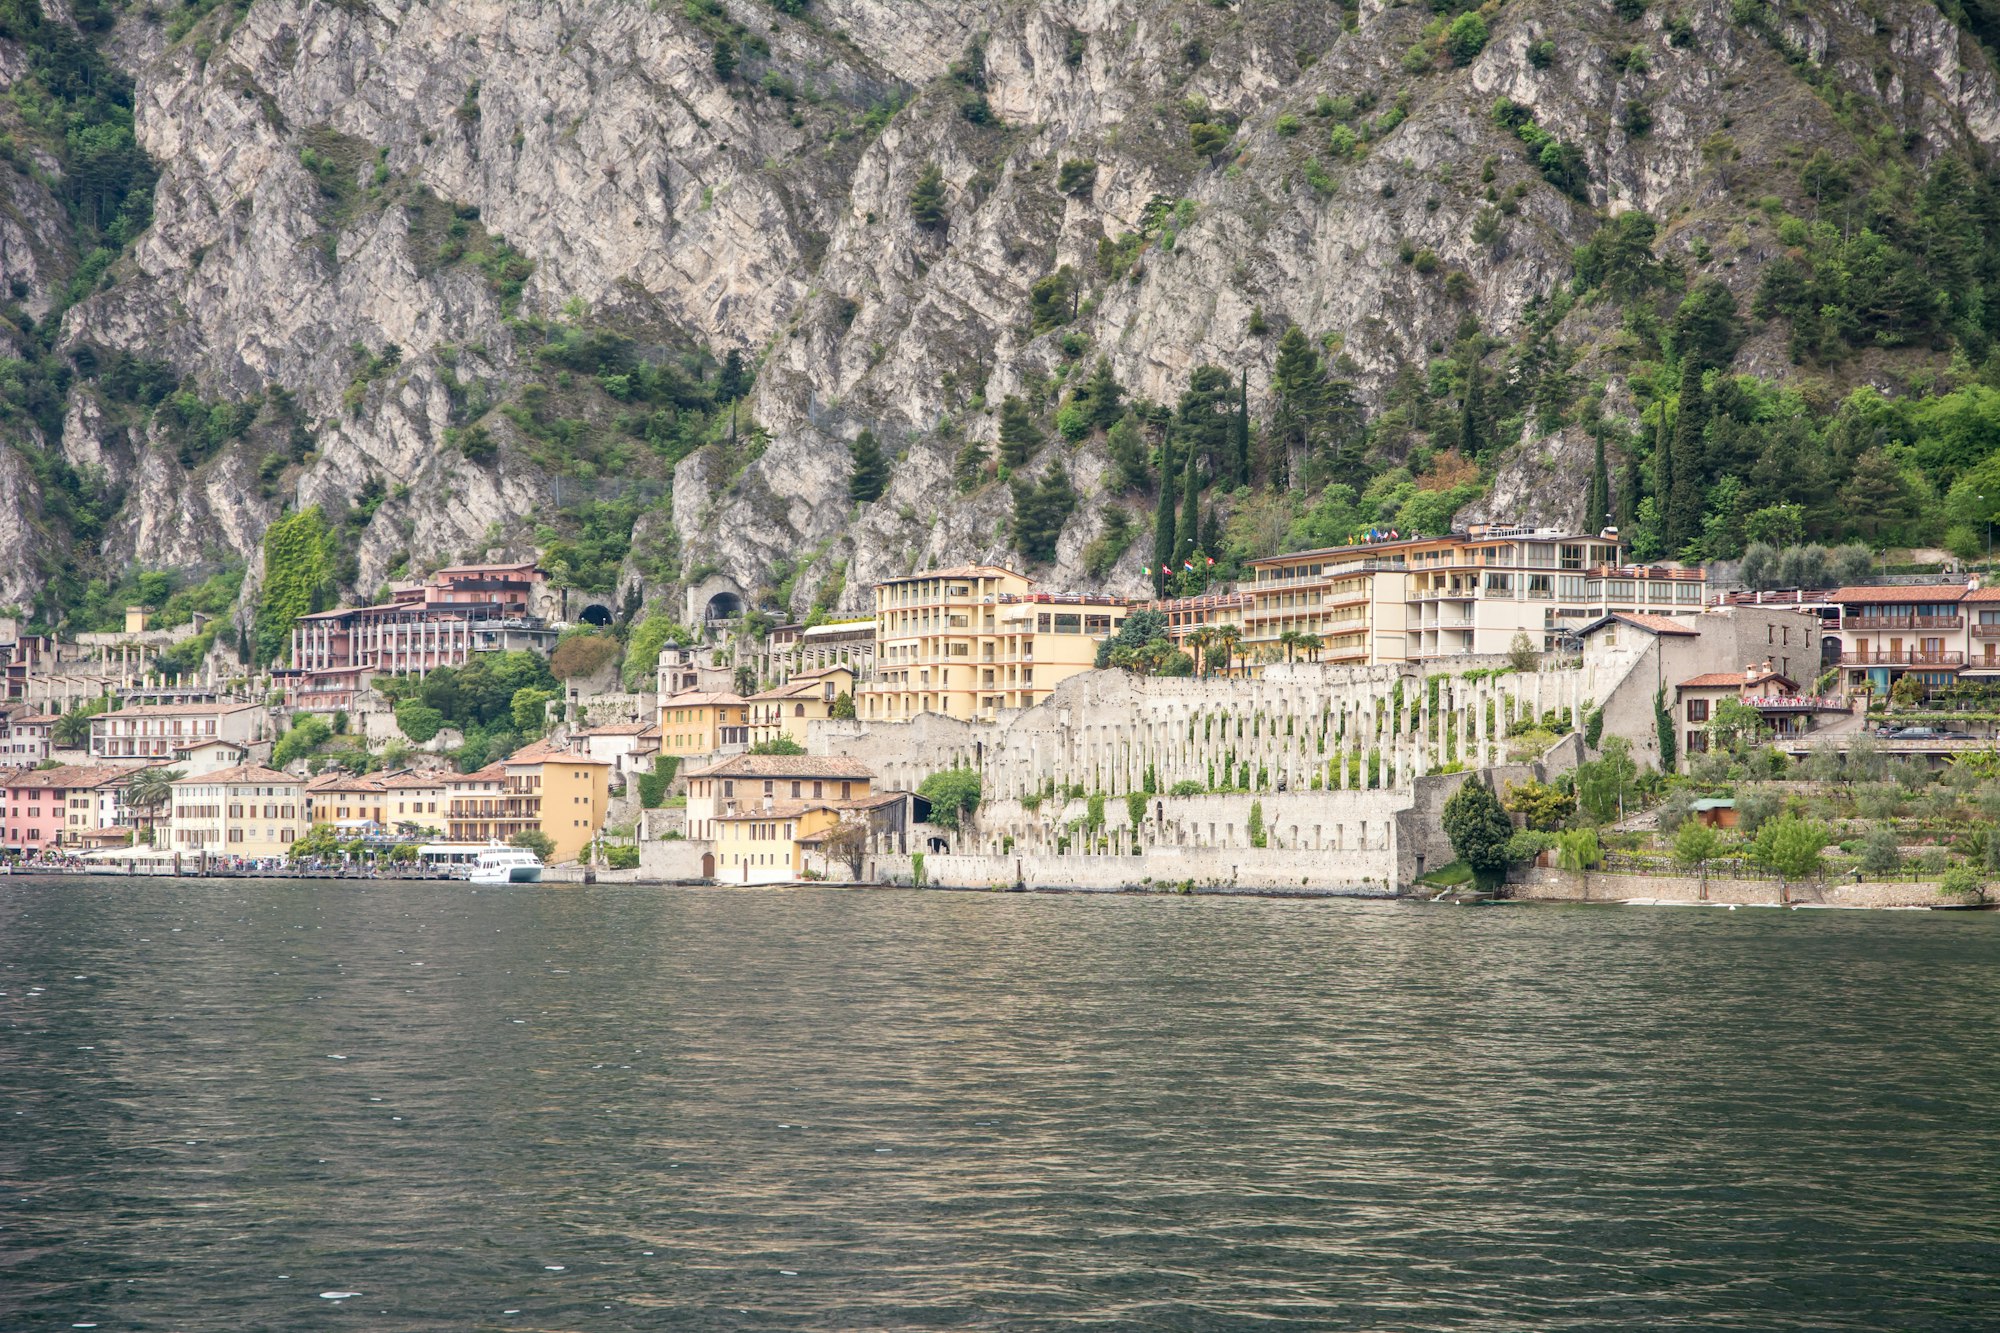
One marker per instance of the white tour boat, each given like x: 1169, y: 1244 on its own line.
x: 505, y: 865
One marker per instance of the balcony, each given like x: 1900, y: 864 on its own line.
x: 1985, y: 630
x: 1877, y: 622
x: 1799, y: 703
x: 1901, y: 657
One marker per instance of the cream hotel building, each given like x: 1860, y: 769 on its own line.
x: 1429, y: 597
x: 970, y: 641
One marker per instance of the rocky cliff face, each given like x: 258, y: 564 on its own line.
x: 372, y: 215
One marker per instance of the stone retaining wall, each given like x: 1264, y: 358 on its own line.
x: 1545, y: 885
x: 1214, y: 868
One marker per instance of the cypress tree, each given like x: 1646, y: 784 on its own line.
x: 1663, y: 460
x: 1189, y: 534
x: 1472, y: 414
x: 1598, y: 507
x: 1018, y: 437
x: 1683, y: 503
x: 1243, y: 428
x: 1628, y: 496
x: 1163, y: 521
x: 871, y: 471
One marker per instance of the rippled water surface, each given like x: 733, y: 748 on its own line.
x: 546, y: 1108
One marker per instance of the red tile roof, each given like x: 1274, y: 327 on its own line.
x: 1878, y: 596
x: 1657, y: 624
x: 785, y: 766
x: 243, y: 773
x: 544, y: 751
x: 1731, y: 679
x: 74, y: 777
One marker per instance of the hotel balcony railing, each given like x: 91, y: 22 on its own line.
x: 1904, y: 657
x: 1867, y: 622
x: 1986, y: 630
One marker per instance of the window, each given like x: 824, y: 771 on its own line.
x: 1499, y: 583
x: 1697, y: 710
x: 1697, y: 742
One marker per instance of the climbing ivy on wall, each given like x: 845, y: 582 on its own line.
x: 298, y: 565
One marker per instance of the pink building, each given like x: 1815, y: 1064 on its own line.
x: 56, y: 807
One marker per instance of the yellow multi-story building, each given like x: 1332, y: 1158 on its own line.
x: 562, y: 794
x: 345, y: 799
x: 249, y: 811
x: 970, y: 641
x: 786, y: 712
x: 414, y: 802
x: 750, y: 782
x: 697, y: 723
x: 763, y: 846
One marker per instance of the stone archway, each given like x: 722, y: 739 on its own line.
x: 715, y: 598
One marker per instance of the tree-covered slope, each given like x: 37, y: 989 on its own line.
x: 810, y: 293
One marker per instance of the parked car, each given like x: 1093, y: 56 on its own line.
x: 1927, y: 734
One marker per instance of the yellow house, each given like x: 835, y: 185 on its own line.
x: 790, y: 708
x: 762, y: 846
x: 750, y: 782
x: 562, y: 794
x: 575, y: 792
x: 245, y: 811
x: 414, y: 802
x: 970, y: 641
x: 344, y: 799
x: 699, y: 722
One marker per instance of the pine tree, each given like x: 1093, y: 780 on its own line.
x: 1204, y: 418
x: 734, y: 380
x: 871, y: 471
x: 725, y: 59
x: 1039, y: 514
x: 970, y: 465
x: 1102, y: 396
x: 1683, y: 504
x: 1876, y: 495
x: 1163, y: 521
x: 927, y: 199
x: 1188, y: 535
x: 1298, y: 392
x: 1597, y: 508
x: 1018, y: 437
x: 1128, y: 451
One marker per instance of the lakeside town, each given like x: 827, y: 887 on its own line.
x: 1498, y: 706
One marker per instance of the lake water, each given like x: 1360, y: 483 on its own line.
x: 616, y: 1107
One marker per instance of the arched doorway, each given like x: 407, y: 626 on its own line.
x: 708, y: 865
